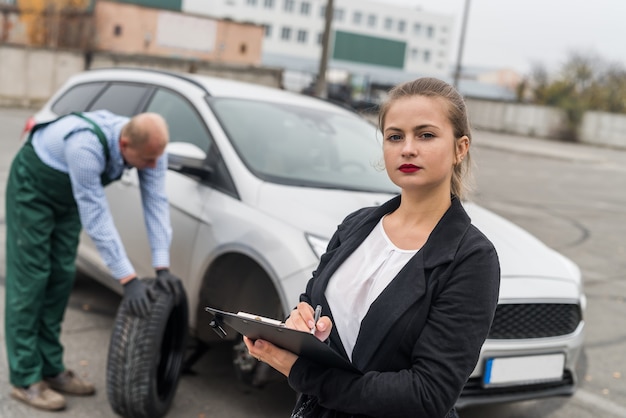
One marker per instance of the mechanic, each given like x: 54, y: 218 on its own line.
x: 55, y: 187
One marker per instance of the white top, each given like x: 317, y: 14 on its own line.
x: 360, y: 280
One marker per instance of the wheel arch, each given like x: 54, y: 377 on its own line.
x: 236, y: 281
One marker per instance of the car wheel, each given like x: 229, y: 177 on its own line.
x: 146, y: 357
x: 245, y: 365
x: 249, y: 370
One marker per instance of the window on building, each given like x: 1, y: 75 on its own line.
x: 371, y: 21
x: 269, y: 4
x: 388, y: 23
x: 414, y: 54
x: 338, y: 15
x: 268, y: 30
x: 251, y: 2
x: 427, y: 56
x: 417, y: 28
x: 322, y: 11
x: 401, y: 26
x: 285, y: 33
x: 305, y: 8
x: 288, y: 5
x: 302, y: 35
x: 430, y: 31
x: 320, y: 38
x: 357, y: 17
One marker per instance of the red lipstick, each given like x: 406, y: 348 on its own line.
x: 409, y: 168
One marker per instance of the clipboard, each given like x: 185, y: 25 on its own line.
x: 298, y: 342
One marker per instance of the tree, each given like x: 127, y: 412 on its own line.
x: 585, y: 82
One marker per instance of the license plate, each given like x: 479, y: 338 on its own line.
x: 526, y: 370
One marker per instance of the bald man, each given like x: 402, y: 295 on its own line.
x: 55, y: 187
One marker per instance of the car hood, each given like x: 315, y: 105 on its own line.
x: 319, y: 211
x: 313, y: 210
x: 522, y: 256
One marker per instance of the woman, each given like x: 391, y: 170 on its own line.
x: 411, y: 286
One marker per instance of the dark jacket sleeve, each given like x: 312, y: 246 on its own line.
x: 443, y: 355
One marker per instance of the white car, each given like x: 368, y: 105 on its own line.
x: 259, y: 179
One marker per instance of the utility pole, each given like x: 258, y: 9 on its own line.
x: 459, y: 57
x: 320, y: 86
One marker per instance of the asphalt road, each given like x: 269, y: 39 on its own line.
x: 572, y: 197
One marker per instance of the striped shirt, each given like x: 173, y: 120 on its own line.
x: 81, y: 155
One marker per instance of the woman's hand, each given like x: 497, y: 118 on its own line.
x: 279, y: 359
x: 301, y: 318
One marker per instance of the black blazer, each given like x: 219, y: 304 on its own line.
x: 421, y: 338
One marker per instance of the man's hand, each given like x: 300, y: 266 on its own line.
x: 169, y: 283
x: 138, y: 297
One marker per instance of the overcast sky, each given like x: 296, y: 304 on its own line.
x: 519, y: 33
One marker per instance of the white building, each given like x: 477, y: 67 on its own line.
x: 371, y: 40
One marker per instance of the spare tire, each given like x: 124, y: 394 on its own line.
x: 146, y: 356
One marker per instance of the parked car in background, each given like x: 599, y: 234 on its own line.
x: 259, y: 179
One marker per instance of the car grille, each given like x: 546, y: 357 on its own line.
x: 534, y: 320
x: 474, y: 387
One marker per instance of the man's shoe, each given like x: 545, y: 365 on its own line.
x: 67, y: 382
x: 40, y: 396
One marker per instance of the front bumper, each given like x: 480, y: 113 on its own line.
x: 475, y: 393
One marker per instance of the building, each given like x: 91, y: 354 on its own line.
x: 373, y: 45
x: 371, y: 41
x: 130, y: 28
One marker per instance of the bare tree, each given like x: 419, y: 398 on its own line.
x: 585, y: 82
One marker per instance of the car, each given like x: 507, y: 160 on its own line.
x: 258, y: 180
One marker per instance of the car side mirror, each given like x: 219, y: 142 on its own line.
x: 186, y: 158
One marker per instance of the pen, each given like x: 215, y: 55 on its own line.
x: 318, y: 313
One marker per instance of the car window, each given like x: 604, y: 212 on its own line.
x: 121, y: 98
x: 77, y: 98
x: 304, y: 146
x: 185, y: 124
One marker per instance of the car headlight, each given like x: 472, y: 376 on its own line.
x: 317, y: 243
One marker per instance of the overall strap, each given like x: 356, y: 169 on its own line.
x: 96, y: 130
x: 40, y: 125
x: 93, y: 128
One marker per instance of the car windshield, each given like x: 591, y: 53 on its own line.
x: 304, y: 146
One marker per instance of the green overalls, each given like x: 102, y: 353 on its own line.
x: 42, y: 233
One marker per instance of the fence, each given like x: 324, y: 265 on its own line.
x: 29, y: 76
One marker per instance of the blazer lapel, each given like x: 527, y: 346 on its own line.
x: 407, y: 288
x: 350, y: 238
x: 409, y: 285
